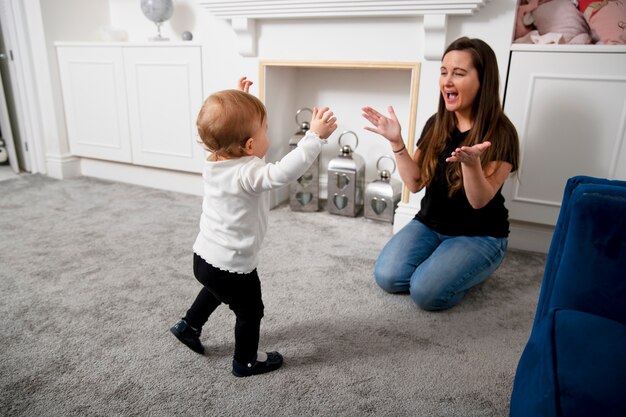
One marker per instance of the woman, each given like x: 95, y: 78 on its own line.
x: 465, y: 153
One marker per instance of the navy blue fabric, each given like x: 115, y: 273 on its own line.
x: 560, y: 233
x: 591, y: 275
x: 535, y: 390
x: 585, y: 273
x: 590, y: 371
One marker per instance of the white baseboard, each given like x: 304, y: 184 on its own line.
x: 62, y: 166
x: 182, y: 182
x: 404, y: 214
x: 530, y: 236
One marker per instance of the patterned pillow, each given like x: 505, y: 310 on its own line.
x: 607, y: 20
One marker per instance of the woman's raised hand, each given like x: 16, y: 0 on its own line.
x: 387, y: 127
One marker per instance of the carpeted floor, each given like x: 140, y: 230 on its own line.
x: 93, y: 274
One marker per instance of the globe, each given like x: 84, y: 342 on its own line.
x: 157, y: 11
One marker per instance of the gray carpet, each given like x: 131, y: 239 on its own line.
x: 93, y: 274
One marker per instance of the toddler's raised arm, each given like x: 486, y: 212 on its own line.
x: 244, y: 84
x: 323, y: 122
x: 259, y: 176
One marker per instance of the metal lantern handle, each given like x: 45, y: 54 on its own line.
x: 355, y: 137
x: 386, y: 157
x: 300, y: 111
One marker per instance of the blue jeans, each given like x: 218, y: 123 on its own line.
x: 437, y: 270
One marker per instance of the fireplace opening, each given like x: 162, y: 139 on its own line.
x: 286, y: 86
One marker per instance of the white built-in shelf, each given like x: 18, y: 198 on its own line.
x: 593, y: 48
x: 243, y: 15
x: 272, y: 9
x: 126, y: 44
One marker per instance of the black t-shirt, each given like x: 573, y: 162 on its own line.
x: 454, y: 216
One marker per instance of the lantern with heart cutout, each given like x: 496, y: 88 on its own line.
x: 382, y: 195
x: 346, y: 178
x: 304, y: 193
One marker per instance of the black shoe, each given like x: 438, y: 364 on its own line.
x: 187, y: 335
x: 273, y: 362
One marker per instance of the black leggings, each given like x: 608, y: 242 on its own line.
x: 241, y: 292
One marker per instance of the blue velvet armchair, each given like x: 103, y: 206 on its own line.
x: 574, y: 363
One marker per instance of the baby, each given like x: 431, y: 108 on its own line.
x: 233, y: 126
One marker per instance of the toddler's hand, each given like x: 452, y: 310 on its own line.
x: 244, y: 84
x: 323, y: 122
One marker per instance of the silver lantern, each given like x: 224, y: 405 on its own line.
x: 304, y: 193
x: 382, y: 195
x: 346, y: 177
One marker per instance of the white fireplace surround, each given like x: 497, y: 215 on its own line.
x: 243, y: 15
x: 246, y: 17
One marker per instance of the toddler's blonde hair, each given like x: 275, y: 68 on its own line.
x: 227, y: 120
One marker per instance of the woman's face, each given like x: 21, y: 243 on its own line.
x: 458, y: 83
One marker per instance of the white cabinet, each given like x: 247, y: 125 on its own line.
x: 133, y: 103
x: 569, y: 107
x: 94, y: 95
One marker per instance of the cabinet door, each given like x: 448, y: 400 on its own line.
x: 94, y: 95
x: 570, y: 111
x: 164, y: 97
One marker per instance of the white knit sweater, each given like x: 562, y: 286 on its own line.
x: 236, y: 204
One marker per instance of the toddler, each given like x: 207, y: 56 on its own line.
x: 233, y: 126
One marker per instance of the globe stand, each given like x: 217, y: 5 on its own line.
x: 158, y: 37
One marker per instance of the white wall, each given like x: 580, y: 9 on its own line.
x: 126, y: 15
x: 376, y: 39
x: 71, y: 20
x: 63, y: 20
x: 356, y: 39
x: 373, y: 39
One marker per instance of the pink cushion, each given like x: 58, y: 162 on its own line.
x: 607, y: 20
x: 561, y: 16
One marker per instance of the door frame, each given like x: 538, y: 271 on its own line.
x: 20, y: 40
x: 7, y: 131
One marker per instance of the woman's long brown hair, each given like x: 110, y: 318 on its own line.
x: 489, y: 121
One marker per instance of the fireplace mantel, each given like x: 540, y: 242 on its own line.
x: 243, y: 15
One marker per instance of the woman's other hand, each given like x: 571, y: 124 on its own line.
x: 469, y: 155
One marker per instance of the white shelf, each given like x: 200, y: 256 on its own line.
x: 272, y: 9
x: 243, y: 15
x: 527, y: 47
x: 142, y: 44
